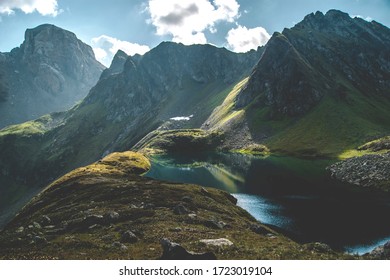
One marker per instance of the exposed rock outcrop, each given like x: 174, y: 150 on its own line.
x: 299, y: 66
x: 369, y: 171
x: 49, y: 72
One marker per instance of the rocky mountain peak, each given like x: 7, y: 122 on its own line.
x: 50, y: 71
x: 58, y: 48
x: 117, y: 64
x: 299, y: 66
x: 331, y: 21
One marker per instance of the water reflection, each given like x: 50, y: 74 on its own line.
x: 293, y: 194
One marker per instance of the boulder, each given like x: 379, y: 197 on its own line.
x: 174, y: 251
x: 129, y: 237
x: 120, y: 246
x: 259, y: 229
x: 180, y: 209
x: 215, y: 224
x: 220, y: 242
x: 111, y: 217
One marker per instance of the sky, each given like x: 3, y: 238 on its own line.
x: 136, y: 26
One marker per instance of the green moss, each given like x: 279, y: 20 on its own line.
x: 379, y: 146
x: 115, y: 164
x: 253, y: 149
x: 185, y: 141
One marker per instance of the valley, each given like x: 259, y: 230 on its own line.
x: 295, y: 132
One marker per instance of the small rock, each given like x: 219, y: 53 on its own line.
x: 180, y: 209
x: 120, y: 246
x: 177, y: 229
x: 215, y: 224
x: 231, y: 198
x: 192, y: 216
x: 108, y: 238
x: 186, y: 199
x: 270, y: 235
x: 204, y: 191
x: 129, y: 237
x: 174, y: 251
x: 319, y: 247
x: 20, y: 230
x: 39, y: 240
x: 111, y: 217
x: 221, y: 242
x: 45, y: 220
x: 37, y: 225
x: 49, y: 227
x: 149, y: 206
x: 92, y: 220
x: 95, y: 226
x: 259, y: 229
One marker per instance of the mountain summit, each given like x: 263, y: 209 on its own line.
x: 50, y: 71
x: 327, y: 54
x: 319, y: 88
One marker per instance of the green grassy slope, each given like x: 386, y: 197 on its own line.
x: 86, y: 214
x: 328, y: 130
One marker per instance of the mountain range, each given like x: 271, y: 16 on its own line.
x: 318, y: 89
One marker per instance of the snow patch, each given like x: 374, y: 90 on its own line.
x: 181, y: 118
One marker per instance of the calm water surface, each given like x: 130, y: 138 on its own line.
x: 292, y: 194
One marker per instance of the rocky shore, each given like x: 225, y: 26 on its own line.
x: 368, y: 171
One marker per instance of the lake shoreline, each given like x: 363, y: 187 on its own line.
x: 299, y: 200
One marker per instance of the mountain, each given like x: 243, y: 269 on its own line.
x: 51, y: 71
x: 106, y: 211
x: 133, y: 97
x: 319, y: 89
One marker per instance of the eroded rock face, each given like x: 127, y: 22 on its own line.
x: 50, y: 71
x: 369, y: 171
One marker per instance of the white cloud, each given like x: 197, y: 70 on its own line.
x: 187, y: 20
x: 44, y: 7
x: 242, y: 39
x: 105, y: 47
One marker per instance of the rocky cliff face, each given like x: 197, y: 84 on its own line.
x: 329, y: 54
x: 50, y: 71
x: 319, y: 89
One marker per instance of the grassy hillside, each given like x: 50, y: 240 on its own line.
x: 330, y: 129
x: 105, y: 211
